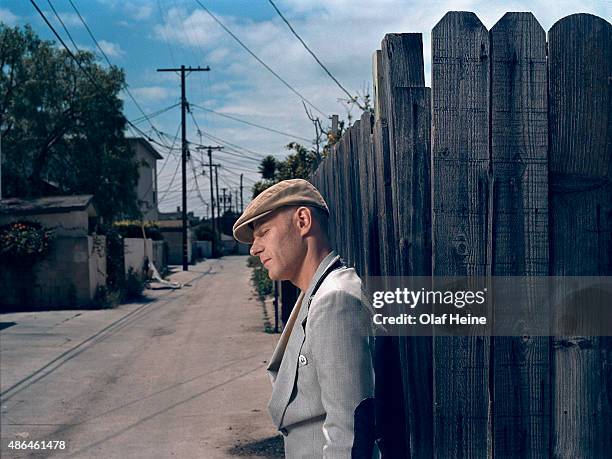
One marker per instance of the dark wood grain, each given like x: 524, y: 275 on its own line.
x: 519, y: 228
x: 460, y: 116
x: 580, y: 120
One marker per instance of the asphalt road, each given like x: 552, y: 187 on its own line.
x: 180, y: 375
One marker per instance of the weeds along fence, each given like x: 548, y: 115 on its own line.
x: 502, y: 167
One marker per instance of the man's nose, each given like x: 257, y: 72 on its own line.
x: 255, y: 249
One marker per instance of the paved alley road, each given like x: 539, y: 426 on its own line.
x: 180, y: 376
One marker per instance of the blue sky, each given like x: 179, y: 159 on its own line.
x: 143, y: 35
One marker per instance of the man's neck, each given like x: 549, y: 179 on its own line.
x: 311, y: 262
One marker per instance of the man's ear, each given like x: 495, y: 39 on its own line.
x: 303, y: 217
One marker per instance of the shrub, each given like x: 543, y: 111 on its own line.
x: 262, y: 283
x: 24, y: 241
x: 134, y: 285
x: 106, y: 298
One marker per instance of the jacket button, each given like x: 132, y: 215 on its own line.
x: 303, y: 360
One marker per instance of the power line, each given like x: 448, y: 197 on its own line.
x: 231, y: 117
x: 63, y: 25
x: 125, y: 85
x: 87, y: 74
x: 154, y: 114
x: 246, y: 48
x: 351, y: 98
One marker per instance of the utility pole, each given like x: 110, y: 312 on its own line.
x: 224, y: 201
x: 185, y: 151
x: 217, y: 193
x: 212, y: 194
x: 241, y: 208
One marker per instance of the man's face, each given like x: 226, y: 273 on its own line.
x: 277, y: 243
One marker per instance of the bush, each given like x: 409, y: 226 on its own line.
x: 106, y: 298
x: 24, y: 242
x: 134, y: 285
x: 262, y: 283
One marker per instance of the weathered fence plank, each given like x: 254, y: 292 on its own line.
x: 354, y: 199
x: 460, y: 103
x: 411, y: 118
x: 367, y: 189
x: 580, y: 121
x: 380, y: 145
x: 519, y: 227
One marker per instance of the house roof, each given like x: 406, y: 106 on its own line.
x: 45, y: 205
x: 147, y: 146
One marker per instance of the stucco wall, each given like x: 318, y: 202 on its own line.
x: 174, y: 239
x: 134, y: 250
x: 67, y: 277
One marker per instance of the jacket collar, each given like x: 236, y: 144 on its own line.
x: 299, y: 312
x: 326, y: 265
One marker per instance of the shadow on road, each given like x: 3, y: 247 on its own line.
x: 271, y: 447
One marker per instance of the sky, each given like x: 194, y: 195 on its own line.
x: 143, y: 35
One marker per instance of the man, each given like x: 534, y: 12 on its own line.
x: 321, y: 370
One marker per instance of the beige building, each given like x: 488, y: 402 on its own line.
x: 75, y: 266
x: 146, y: 190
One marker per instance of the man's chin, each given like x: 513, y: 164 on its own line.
x: 275, y: 276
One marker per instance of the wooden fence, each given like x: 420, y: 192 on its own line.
x: 503, y: 167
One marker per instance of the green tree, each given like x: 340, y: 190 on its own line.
x: 60, y: 127
x: 299, y: 164
x: 267, y: 168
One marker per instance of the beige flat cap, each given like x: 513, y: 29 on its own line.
x: 294, y: 192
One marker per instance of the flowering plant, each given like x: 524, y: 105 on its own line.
x: 24, y: 241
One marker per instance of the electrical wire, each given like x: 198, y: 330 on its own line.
x: 125, y: 85
x: 231, y: 117
x: 246, y: 48
x: 154, y: 114
x: 351, y: 98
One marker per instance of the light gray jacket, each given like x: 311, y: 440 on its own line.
x: 321, y: 370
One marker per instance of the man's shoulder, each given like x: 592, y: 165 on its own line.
x: 340, y: 282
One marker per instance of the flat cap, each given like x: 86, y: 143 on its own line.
x: 294, y: 192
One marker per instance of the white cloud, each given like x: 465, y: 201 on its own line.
x: 151, y: 93
x: 111, y: 49
x: 137, y: 10
x: 8, y: 17
x: 141, y: 12
x: 70, y: 20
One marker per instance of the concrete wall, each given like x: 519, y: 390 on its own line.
x: 203, y: 249
x: 160, y: 255
x: 67, y: 277
x: 135, y: 250
x: 174, y: 239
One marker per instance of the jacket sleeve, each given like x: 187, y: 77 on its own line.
x: 341, y: 353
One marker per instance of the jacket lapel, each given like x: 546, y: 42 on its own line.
x: 277, y: 356
x: 283, y: 364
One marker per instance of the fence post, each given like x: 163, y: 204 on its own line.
x: 580, y: 165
